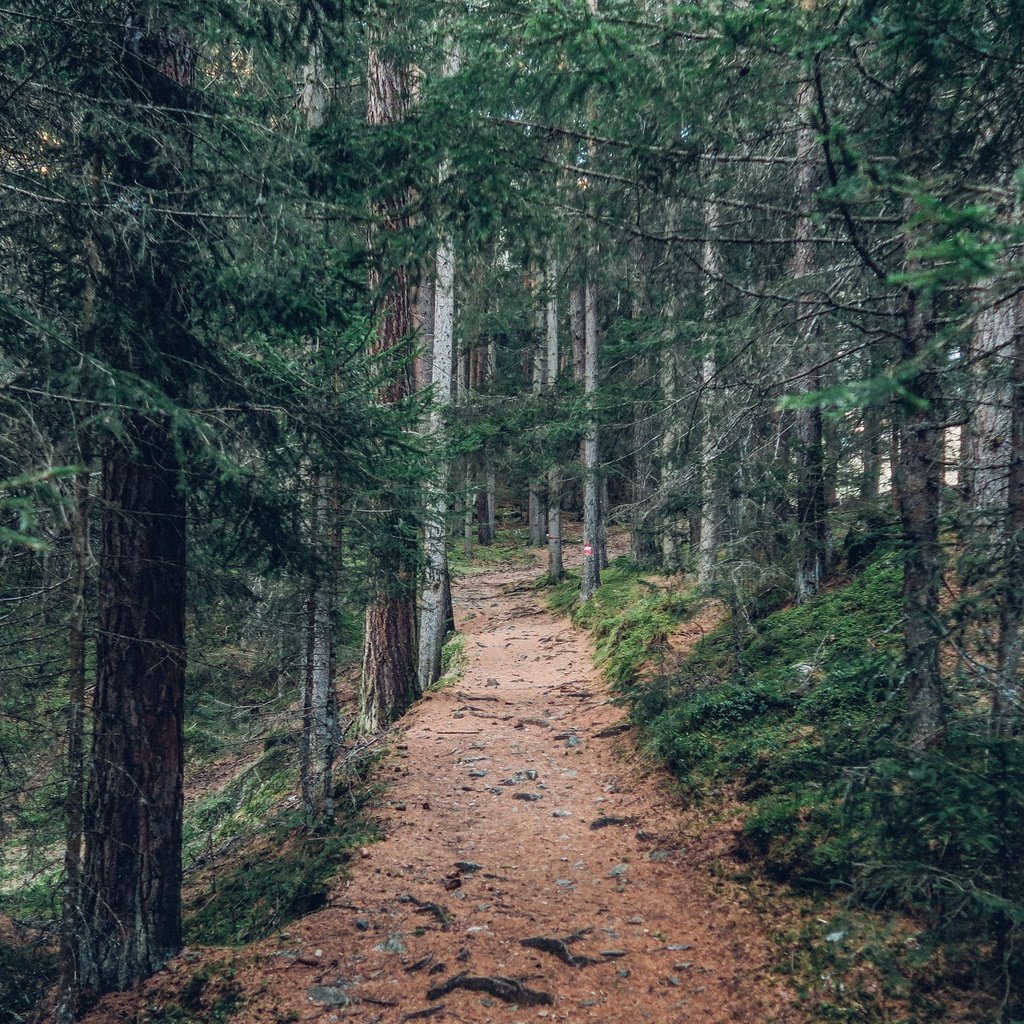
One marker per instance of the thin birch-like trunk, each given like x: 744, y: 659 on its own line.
x: 436, y: 594
x: 709, y: 503
x: 556, y: 569
x: 591, y: 500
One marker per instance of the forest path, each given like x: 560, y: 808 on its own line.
x: 516, y: 815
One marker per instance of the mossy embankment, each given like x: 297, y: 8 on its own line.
x: 793, y: 725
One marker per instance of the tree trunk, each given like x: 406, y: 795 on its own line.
x: 436, y: 595
x: 1008, y: 693
x: 989, y: 448
x: 871, y: 453
x: 71, y: 919
x: 812, y: 524
x: 131, y: 877
x: 670, y: 484
x: 591, y: 579
x: 388, y: 683
x: 919, y: 474
x: 554, y: 482
x: 709, y: 443
x: 467, y: 521
x: 319, y: 702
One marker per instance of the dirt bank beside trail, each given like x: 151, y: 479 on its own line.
x: 515, y: 813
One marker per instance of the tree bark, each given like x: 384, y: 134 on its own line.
x: 131, y: 877
x: 1008, y: 693
x: 74, y: 802
x: 919, y: 475
x: 436, y: 595
x: 707, y: 552
x: 556, y: 569
x: 812, y: 523
x: 388, y: 682
x: 319, y: 701
x: 316, y: 760
x: 591, y: 579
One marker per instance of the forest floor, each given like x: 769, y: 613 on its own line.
x: 517, y: 809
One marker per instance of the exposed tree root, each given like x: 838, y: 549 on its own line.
x: 560, y: 947
x: 507, y: 989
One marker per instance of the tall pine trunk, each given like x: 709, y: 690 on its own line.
x: 592, y: 532
x: 919, y: 476
x: 707, y: 551
x: 812, y: 524
x: 131, y: 875
x: 389, y: 683
x: 319, y: 701
x: 554, y: 477
x: 1008, y: 692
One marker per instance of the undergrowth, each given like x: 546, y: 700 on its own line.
x: 629, y: 616
x: 801, y: 716
x: 282, y: 871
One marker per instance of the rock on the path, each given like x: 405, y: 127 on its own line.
x: 392, y: 944
x: 329, y: 995
x: 618, y: 871
x: 561, y: 814
x: 527, y: 796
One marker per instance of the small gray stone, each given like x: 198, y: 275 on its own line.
x: 478, y: 773
x: 623, y: 972
x: 618, y: 871
x: 572, y: 740
x: 329, y: 995
x: 635, y: 920
x: 673, y: 980
x: 468, y: 866
x: 528, y: 796
x: 362, y: 924
x: 392, y: 944
x: 659, y: 855
x: 613, y: 954
x: 561, y: 814
x: 678, y: 947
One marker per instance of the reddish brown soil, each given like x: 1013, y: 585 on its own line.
x: 669, y: 943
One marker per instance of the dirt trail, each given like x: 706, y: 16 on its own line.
x: 514, y: 815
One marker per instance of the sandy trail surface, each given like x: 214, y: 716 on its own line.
x: 516, y: 813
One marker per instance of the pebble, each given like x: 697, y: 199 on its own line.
x: 678, y: 947
x: 635, y: 920
x: 673, y: 980
x: 659, y: 855
x: 613, y: 954
x: 329, y: 995
x: 561, y: 814
x: 527, y: 796
x: 684, y: 966
x: 362, y: 924
x: 618, y: 870
x: 392, y: 944
x: 468, y: 866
